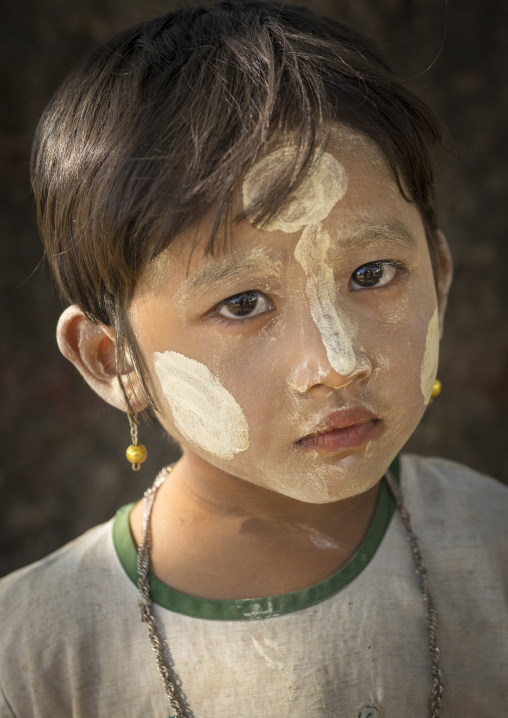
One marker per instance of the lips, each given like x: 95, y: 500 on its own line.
x: 342, y: 430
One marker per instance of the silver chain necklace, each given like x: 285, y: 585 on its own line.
x: 148, y: 616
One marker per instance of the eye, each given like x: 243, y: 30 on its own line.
x: 245, y: 305
x: 373, y: 274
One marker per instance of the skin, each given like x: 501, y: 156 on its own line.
x: 311, y: 253
x: 312, y: 201
x: 246, y: 525
x: 430, y: 358
x: 204, y: 411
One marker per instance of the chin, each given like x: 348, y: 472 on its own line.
x: 324, y: 482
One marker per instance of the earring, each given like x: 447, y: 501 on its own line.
x: 136, y: 453
x: 436, y: 389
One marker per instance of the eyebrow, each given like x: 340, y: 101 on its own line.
x: 394, y: 232
x: 222, y: 269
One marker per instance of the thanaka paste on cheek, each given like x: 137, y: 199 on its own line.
x: 204, y: 410
x: 430, y: 358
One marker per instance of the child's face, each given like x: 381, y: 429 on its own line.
x: 324, y: 321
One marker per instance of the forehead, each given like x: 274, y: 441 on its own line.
x: 349, y: 188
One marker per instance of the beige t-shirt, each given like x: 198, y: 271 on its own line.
x: 353, y: 646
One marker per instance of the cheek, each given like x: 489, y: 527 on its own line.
x: 416, y: 344
x: 403, y: 349
x: 430, y: 358
x: 204, y: 411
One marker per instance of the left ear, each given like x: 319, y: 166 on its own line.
x: 445, y: 275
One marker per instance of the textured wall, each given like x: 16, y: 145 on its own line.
x: 62, y: 467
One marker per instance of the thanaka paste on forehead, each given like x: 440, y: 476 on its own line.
x: 204, y: 410
x: 430, y: 358
x: 311, y: 202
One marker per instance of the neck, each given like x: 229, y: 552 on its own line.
x: 217, y: 536
x: 222, y: 494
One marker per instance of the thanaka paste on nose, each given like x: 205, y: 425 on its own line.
x: 311, y: 203
x: 203, y: 409
x: 310, y: 253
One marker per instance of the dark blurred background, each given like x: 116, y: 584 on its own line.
x: 62, y: 468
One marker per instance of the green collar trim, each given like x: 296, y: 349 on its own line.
x: 247, y: 609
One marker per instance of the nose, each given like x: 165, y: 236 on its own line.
x: 330, y: 358
x: 311, y: 373
x: 331, y: 362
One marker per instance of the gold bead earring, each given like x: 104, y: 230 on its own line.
x: 436, y: 389
x: 136, y: 453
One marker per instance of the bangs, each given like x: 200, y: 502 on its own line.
x: 156, y: 129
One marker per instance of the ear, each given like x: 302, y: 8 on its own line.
x: 445, y: 275
x: 91, y: 348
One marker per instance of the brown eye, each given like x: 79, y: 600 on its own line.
x: 245, y: 305
x: 372, y: 274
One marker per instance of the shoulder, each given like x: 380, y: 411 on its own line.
x: 436, y: 480
x: 56, y: 616
x: 458, y: 510
x: 61, y: 567
x: 459, y: 517
x: 56, y: 589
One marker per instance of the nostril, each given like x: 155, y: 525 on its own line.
x: 308, y: 374
x: 363, y: 364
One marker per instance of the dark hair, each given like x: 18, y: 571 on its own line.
x: 154, y: 129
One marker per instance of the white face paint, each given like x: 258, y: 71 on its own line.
x: 271, y: 362
x: 310, y: 253
x: 204, y: 410
x: 311, y: 202
x: 430, y: 358
x: 323, y: 542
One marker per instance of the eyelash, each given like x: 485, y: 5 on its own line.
x: 399, y: 266
x: 241, y: 320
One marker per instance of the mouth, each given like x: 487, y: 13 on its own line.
x: 343, y: 430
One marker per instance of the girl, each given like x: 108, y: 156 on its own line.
x: 238, y: 204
